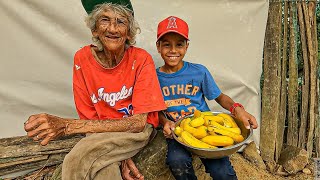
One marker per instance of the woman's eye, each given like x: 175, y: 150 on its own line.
x: 104, y: 20
x: 120, y: 21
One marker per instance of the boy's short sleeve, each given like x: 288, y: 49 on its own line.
x: 210, y: 88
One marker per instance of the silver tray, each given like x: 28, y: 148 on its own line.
x: 219, y: 152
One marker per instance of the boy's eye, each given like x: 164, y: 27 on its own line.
x: 180, y: 44
x: 166, y: 45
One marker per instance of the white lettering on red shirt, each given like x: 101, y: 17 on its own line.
x: 111, y: 98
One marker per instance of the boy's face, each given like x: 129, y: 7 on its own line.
x: 172, y: 47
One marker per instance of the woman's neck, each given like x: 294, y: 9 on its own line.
x: 108, y: 59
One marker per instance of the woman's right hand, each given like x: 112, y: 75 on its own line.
x: 45, y: 127
x: 168, y: 128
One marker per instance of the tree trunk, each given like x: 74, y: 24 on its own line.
x: 305, y: 82
x: 271, y: 86
x: 283, y: 95
x: 292, y: 134
x: 313, y: 79
x: 317, y: 110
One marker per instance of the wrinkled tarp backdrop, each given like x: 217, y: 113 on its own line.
x: 40, y: 37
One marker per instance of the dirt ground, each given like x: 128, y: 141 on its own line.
x: 246, y: 170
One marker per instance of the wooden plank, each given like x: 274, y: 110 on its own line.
x: 305, y: 82
x: 283, y: 94
x: 24, y: 161
x: 22, y: 146
x: 271, y: 84
x: 292, y: 133
x: 52, y: 160
x: 313, y: 74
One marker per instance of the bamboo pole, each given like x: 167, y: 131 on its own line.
x: 313, y: 74
x: 271, y: 84
x: 283, y: 94
x: 292, y: 134
x: 305, y: 82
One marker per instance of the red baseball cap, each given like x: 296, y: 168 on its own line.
x: 173, y: 24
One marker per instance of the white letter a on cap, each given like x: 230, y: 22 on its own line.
x: 172, y: 23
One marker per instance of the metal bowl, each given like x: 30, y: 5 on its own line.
x: 219, y: 152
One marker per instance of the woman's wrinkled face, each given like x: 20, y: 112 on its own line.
x: 112, y: 30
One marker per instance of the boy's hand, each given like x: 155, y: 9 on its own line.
x: 246, y: 118
x: 168, y: 127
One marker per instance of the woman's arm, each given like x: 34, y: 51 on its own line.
x: 48, y: 127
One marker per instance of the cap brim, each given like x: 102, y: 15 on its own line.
x: 90, y: 4
x: 172, y: 31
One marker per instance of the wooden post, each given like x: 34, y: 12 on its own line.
x: 313, y: 75
x: 292, y: 133
x: 313, y: 79
x: 283, y: 95
x: 305, y: 82
x: 271, y: 84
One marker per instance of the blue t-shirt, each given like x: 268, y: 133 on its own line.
x: 185, y: 90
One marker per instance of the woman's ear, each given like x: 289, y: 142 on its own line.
x: 94, y: 33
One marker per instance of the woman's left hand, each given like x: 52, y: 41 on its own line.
x: 129, y: 171
x: 247, y: 119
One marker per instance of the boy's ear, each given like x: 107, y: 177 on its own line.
x: 158, y: 46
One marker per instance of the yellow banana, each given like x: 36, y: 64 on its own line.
x: 196, y: 113
x: 207, y: 113
x: 196, y: 122
x: 218, y: 140
x: 187, y: 127
x: 192, y: 141
x: 178, y: 130
x: 183, y: 122
x: 228, y: 118
x: 236, y: 137
x: 217, y: 125
x: 200, y: 132
x: 208, y: 119
x: 180, y: 139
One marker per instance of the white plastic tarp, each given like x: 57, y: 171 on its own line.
x: 40, y: 37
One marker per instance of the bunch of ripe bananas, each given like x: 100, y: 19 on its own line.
x: 206, y: 130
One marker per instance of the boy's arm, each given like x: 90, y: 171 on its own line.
x: 240, y: 113
x: 168, y: 125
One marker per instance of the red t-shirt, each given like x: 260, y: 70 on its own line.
x: 132, y: 87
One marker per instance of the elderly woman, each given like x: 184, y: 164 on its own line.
x: 117, y: 97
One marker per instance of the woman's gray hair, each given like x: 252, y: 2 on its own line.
x: 133, y: 26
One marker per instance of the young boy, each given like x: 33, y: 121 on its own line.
x: 185, y: 86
